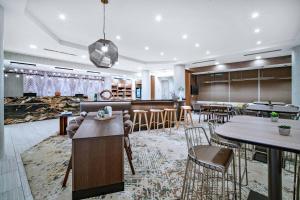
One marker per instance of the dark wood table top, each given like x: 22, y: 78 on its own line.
x: 91, y: 128
x: 261, y: 131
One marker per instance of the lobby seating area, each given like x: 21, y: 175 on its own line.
x: 149, y: 100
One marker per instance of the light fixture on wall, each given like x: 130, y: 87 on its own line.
x: 103, y: 53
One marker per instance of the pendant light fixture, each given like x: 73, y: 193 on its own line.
x: 103, y: 53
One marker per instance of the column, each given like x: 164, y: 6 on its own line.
x: 1, y: 83
x: 296, y: 76
x: 145, y: 85
x: 179, y: 79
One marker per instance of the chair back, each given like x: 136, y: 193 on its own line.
x: 212, y: 127
x: 196, y: 136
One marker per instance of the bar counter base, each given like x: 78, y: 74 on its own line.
x: 82, y: 194
x: 256, y: 196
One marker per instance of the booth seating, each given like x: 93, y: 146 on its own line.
x: 95, y: 106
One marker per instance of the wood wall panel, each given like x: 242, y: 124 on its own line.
x: 188, y: 88
x: 276, y: 90
x: 152, y: 87
x: 244, y: 91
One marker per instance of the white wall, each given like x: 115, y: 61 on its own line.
x: 158, y: 87
x: 1, y: 83
x: 296, y: 76
x: 179, y: 78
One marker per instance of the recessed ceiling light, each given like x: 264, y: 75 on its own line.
x: 184, y: 36
x: 118, y: 37
x: 83, y: 56
x: 197, y: 45
x: 62, y: 17
x: 257, y: 30
x: 258, y: 57
x: 258, y: 42
x: 162, y: 53
x: 146, y: 48
x: 6, y: 75
x: 217, y: 63
x: 117, y: 63
x: 207, y: 52
x: 18, y: 76
x: 158, y: 18
x: 255, y: 15
x: 175, y: 58
x: 32, y: 46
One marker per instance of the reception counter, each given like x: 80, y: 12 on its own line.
x: 27, y: 109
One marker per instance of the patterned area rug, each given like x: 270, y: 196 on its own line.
x: 159, y: 161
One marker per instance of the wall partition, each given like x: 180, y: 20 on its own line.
x: 272, y: 84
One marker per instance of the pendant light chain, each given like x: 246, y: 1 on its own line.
x: 104, y: 21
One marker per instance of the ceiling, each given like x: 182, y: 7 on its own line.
x: 224, y: 28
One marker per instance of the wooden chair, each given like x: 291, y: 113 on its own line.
x: 170, y: 117
x: 71, y: 130
x: 186, y: 116
x: 139, y: 114
x: 156, y: 118
x: 127, y: 146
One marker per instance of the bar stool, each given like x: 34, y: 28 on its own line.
x: 139, y: 113
x: 186, y: 115
x: 210, y: 170
x: 170, y: 117
x: 155, y: 114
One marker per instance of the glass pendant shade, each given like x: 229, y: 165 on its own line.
x: 103, y: 53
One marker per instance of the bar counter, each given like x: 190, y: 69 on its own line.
x: 28, y: 109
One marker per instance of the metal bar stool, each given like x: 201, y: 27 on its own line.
x: 208, y: 167
x: 156, y: 119
x: 237, y: 147
x: 139, y: 113
x: 170, y: 117
x: 186, y: 115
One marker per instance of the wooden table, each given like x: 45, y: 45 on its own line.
x: 263, y: 132
x: 97, y: 157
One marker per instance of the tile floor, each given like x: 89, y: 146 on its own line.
x: 18, y: 138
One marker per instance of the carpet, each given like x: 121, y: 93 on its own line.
x: 159, y: 161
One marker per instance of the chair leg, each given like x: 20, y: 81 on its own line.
x: 140, y: 121
x: 163, y: 120
x: 145, y: 115
x: 180, y: 117
x: 190, y: 114
x: 64, y: 183
x: 133, y: 124
x: 151, y: 116
x: 130, y: 160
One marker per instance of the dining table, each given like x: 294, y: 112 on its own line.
x: 263, y: 132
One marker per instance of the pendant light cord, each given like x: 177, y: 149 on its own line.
x: 104, y: 20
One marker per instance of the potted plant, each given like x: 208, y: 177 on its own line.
x: 284, y: 130
x: 274, y: 117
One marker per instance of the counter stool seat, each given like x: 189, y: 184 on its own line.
x: 139, y: 114
x: 156, y: 118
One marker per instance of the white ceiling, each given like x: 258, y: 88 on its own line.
x: 225, y: 28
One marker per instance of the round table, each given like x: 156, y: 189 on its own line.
x: 263, y: 132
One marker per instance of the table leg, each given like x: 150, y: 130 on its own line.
x: 275, y: 171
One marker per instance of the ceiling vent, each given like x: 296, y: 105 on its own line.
x: 60, y: 52
x: 262, y: 52
x: 63, y: 68
x: 22, y: 63
x: 204, y: 61
x: 93, y: 72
